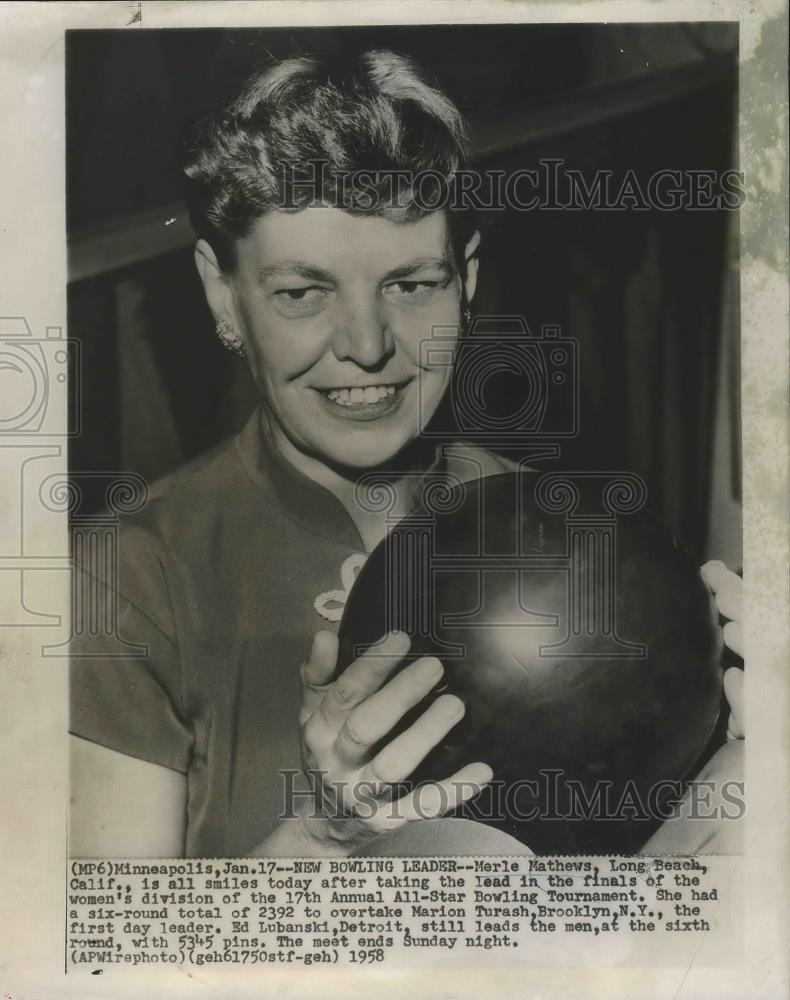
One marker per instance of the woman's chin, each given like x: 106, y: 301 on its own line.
x: 372, y: 459
x: 359, y: 453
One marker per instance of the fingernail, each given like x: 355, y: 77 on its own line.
x: 485, y: 773
x: 454, y: 706
x: 431, y: 669
x: 479, y: 774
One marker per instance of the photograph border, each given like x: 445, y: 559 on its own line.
x: 748, y: 951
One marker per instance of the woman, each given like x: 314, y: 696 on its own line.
x: 323, y: 267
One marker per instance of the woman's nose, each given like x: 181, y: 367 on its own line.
x: 362, y: 335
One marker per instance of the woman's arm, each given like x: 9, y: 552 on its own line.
x: 122, y: 807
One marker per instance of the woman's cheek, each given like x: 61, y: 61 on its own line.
x: 435, y: 383
x: 285, y: 351
x: 419, y: 338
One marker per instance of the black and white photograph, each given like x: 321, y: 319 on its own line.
x: 451, y: 309
x: 393, y: 533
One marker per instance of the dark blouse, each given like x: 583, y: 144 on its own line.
x: 224, y: 578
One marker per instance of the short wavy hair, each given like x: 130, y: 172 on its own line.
x: 306, y: 130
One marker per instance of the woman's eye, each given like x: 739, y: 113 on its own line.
x: 300, y: 294
x: 412, y: 291
x: 300, y: 300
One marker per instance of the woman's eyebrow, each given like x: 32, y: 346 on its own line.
x: 289, y: 268
x: 293, y: 267
x: 422, y: 263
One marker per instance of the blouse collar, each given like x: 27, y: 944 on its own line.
x: 302, y: 499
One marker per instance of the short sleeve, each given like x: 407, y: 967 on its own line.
x: 125, y: 686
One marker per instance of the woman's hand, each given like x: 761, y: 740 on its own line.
x: 727, y: 589
x: 343, y: 724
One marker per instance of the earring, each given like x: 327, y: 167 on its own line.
x: 230, y: 338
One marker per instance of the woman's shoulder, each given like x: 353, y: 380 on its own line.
x: 206, y: 472
x: 191, y: 498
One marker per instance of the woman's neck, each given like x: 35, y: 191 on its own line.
x: 372, y: 518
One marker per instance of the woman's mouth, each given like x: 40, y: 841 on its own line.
x: 368, y: 402
x: 356, y: 395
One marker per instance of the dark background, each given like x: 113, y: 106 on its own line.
x: 649, y: 295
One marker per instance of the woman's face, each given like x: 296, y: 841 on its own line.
x: 336, y: 312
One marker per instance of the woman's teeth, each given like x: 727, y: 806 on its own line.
x: 357, y: 396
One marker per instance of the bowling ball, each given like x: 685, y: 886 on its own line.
x: 582, y: 640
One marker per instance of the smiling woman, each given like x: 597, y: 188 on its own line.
x: 333, y: 310
x: 329, y: 264
x: 332, y: 299
x: 331, y: 293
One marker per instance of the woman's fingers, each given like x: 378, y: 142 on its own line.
x: 729, y: 600
x: 377, y: 715
x: 317, y: 671
x: 733, y: 637
x: 733, y: 689
x: 361, y: 679
x: 727, y: 588
x: 716, y: 574
x: 433, y: 800
x: 400, y: 756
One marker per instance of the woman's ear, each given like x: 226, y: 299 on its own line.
x: 471, y: 265
x: 218, y: 292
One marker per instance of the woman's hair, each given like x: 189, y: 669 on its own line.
x: 367, y: 134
